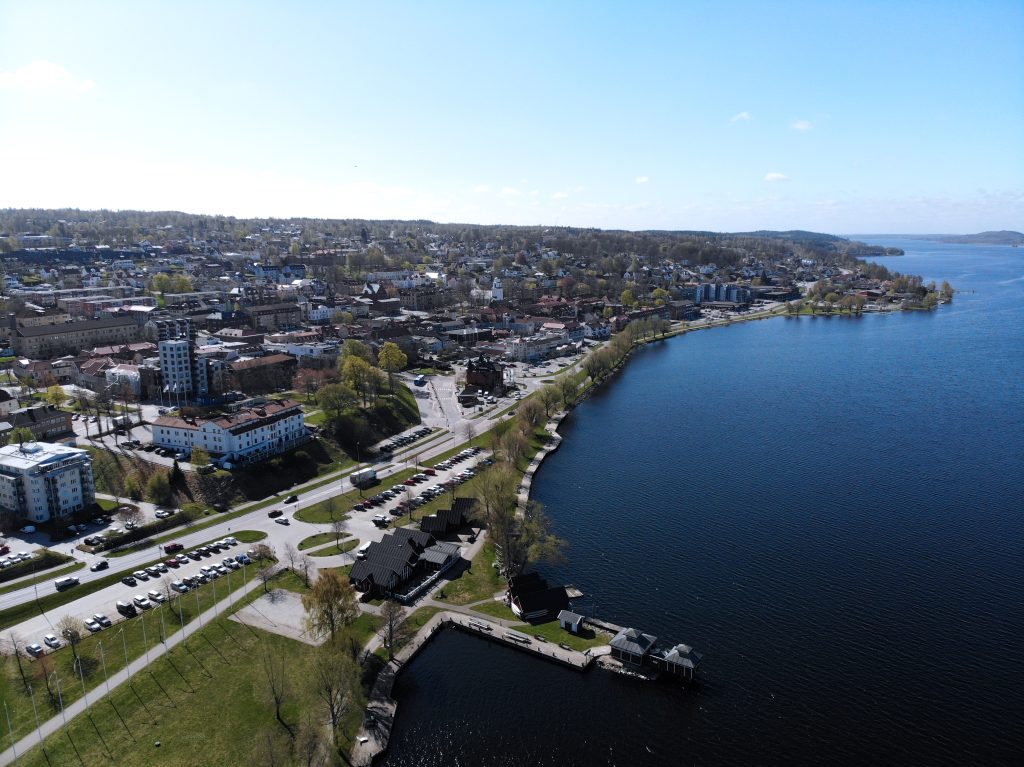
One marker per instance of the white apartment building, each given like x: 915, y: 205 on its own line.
x: 240, y: 438
x: 39, y: 481
x: 176, y: 366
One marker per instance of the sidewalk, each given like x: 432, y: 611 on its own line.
x: 100, y: 691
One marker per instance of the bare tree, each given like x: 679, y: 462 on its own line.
x: 338, y: 528
x: 394, y: 631
x: 71, y: 629
x: 129, y: 515
x: 292, y: 555
x: 270, y: 750
x: 277, y: 684
x: 309, y: 747
x: 333, y: 681
x: 265, y: 574
x: 306, y: 566
x: 14, y: 645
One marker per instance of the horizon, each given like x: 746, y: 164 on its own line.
x: 669, y: 117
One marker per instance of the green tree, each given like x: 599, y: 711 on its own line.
x: 200, y: 456
x: 947, y: 290
x: 391, y: 359
x: 360, y: 376
x: 20, y: 435
x: 336, y: 398
x: 158, y: 489
x: 627, y: 298
x: 330, y: 604
x: 353, y: 348
x: 56, y: 396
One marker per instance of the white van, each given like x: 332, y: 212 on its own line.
x: 361, y: 551
x: 65, y: 583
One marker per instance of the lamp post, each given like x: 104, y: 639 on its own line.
x: 359, y: 460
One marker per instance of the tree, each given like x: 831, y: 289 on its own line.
x: 338, y: 528
x: 333, y: 678
x: 292, y: 555
x: 277, y: 684
x: 56, y: 396
x: 549, y: 397
x: 129, y: 515
x: 353, y: 348
x: 200, y: 456
x: 14, y: 645
x: 947, y: 290
x: 71, y: 629
x: 627, y: 298
x: 394, y: 630
x: 330, y: 604
x: 21, y: 435
x: 391, y: 359
x: 158, y: 488
x: 308, y: 746
x: 359, y: 375
x: 532, y: 412
x: 336, y: 398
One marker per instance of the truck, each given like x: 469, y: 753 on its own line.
x: 363, y: 477
x: 121, y: 421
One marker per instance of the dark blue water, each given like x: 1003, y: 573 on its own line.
x: 829, y: 508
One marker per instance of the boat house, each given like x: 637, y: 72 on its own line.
x: 632, y: 646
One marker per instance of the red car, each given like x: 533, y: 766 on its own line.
x: 172, y: 563
x: 430, y: 472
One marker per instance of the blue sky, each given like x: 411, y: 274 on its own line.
x: 833, y: 116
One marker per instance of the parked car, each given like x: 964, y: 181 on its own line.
x: 163, y: 514
x: 156, y: 596
x: 179, y: 586
x: 102, y: 619
x: 128, y: 581
x: 125, y: 608
x: 102, y: 564
x: 50, y: 640
x: 35, y: 649
x: 170, y: 548
x: 140, y: 575
x: 141, y: 601
x: 92, y: 624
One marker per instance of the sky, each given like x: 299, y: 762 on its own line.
x: 841, y: 117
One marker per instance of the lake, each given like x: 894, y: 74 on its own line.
x: 830, y: 509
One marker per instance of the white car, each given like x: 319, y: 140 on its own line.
x: 50, y: 640
x: 156, y: 596
x: 163, y: 514
x: 92, y: 624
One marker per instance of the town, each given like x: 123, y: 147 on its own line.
x: 194, y: 403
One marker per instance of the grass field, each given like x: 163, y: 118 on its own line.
x: 319, y: 539
x: 550, y: 630
x: 480, y: 580
x: 330, y: 551
x: 206, y: 702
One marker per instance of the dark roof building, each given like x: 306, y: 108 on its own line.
x: 632, y: 646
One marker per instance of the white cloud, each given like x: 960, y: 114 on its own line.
x: 559, y: 195
x: 776, y: 177
x: 510, y: 191
x: 801, y: 125
x: 740, y: 116
x: 43, y: 76
x: 481, y: 188
x: 642, y: 179
x: 534, y: 192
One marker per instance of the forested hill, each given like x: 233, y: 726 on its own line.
x: 1002, y: 237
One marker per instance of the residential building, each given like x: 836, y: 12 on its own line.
x: 40, y: 481
x: 46, y: 341
x: 246, y: 436
x: 44, y: 421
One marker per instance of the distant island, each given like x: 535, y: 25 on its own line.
x: 1002, y: 237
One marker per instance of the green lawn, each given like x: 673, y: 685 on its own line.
x: 496, y: 610
x: 549, y: 630
x: 479, y: 581
x: 330, y: 551
x: 315, y: 540
x: 208, y: 697
x: 132, y: 636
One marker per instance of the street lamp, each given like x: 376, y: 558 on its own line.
x: 359, y: 460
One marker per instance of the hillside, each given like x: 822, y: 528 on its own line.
x: 1002, y: 237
